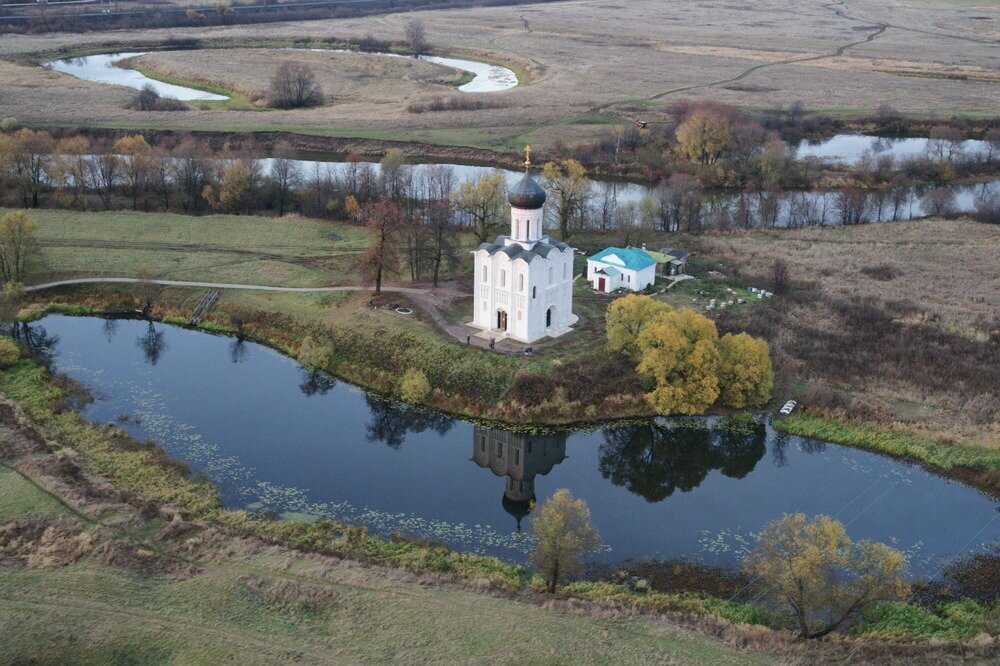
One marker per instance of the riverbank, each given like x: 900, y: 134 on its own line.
x: 373, y: 357
x: 121, y: 510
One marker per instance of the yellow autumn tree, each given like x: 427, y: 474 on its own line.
x: 745, y: 373
x: 569, y: 186
x: 825, y: 580
x: 414, y: 387
x: 678, y: 354
x: 626, y: 316
x: 704, y: 136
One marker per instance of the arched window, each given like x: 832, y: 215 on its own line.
x: 520, y: 282
x: 486, y: 273
x: 503, y: 278
x: 534, y: 292
x: 565, y: 271
x: 551, y: 274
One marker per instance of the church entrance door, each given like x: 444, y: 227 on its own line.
x: 501, y: 320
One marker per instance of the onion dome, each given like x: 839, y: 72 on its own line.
x: 526, y: 194
x: 520, y: 509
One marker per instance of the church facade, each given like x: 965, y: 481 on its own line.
x: 524, y: 281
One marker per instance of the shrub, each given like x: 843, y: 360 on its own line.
x: 9, y: 353
x: 414, y: 386
x: 148, y: 99
x: 294, y: 86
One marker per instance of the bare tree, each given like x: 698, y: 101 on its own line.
x: 680, y: 199
x: 285, y: 174
x: 294, y: 86
x: 416, y: 36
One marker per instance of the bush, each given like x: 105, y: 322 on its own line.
x: 952, y: 620
x: 294, y: 86
x: 414, y: 387
x: 9, y: 353
x: 882, y: 272
x: 148, y: 99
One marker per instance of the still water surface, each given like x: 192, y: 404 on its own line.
x: 276, y: 437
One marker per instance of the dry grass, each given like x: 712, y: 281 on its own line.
x: 900, y: 319
x: 587, y: 55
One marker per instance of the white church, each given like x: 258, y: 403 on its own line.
x: 524, y: 281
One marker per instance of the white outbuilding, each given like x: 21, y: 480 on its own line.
x: 621, y: 268
x: 524, y: 281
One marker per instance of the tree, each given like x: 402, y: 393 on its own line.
x: 26, y: 155
x: 414, y: 386
x: 440, y: 219
x: 383, y: 220
x: 71, y: 170
x: 18, y: 245
x: 626, y: 316
x: 564, y: 533
x: 294, y: 86
x: 680, y: 199
x: 678, y: 354
x: 483, y: 201
x: 814, y: 569
x: 704, y: 136
x: 146, y: 289
x: 136, y: 160
x: 285, y: 174
x: 105, y: 174
x: 745, y: 373
x: 569, y: 186
x: 939, y: 202
x: 780, y: 278
x: 416, y: 36
x: 237, y: 190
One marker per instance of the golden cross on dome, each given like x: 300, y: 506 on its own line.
x: 527, y: 156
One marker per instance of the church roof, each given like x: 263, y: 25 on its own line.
x: 526, y: 193
x: 540, y: 250
x: 625, y: 257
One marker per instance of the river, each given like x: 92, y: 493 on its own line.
x: 276, y: 437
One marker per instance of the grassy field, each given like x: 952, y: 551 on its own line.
x: 289, y: 251
x: 592, y: 64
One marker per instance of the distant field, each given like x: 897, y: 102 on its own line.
x: 593, y: 63
x: 289, y: 251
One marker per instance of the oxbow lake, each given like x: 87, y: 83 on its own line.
x: 278, y: 438
x: 106, y: 68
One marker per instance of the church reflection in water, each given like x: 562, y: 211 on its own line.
x: 520, y: 458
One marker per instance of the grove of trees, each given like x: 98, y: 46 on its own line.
x: 687, y: 365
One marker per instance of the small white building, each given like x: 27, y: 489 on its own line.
x: 621, y: 268
x: 524, y: 281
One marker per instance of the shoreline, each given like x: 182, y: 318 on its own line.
x: 976, y: 467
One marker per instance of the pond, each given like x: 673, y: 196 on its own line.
x: 104, y: 68
x: 276, y: 437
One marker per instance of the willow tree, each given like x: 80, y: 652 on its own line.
x: 626, y: 316
x: 482, y: 200
x: 745, y: 373
x: 678, y: 354
x: 826, y: 581
x: 564, y: 533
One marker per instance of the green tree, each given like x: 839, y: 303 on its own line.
x: 569, y: 186
x: 414, y: 387
x: 678, y: 354
x: 9, y: 353
x: 626, y: 316
x: 824, y: 579
x: 482, y: 200
x: 564, y: 533
x: 18, y: 245
x: 745, y: 373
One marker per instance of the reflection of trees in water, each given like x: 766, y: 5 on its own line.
x: 316, y: 382
x: 238, y: 350
x: 110, y: 328
x: 779, y: 446
x: 391, y: 421
x: 653, y: 460
x: 39, y: 344
x: 153, y: 344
